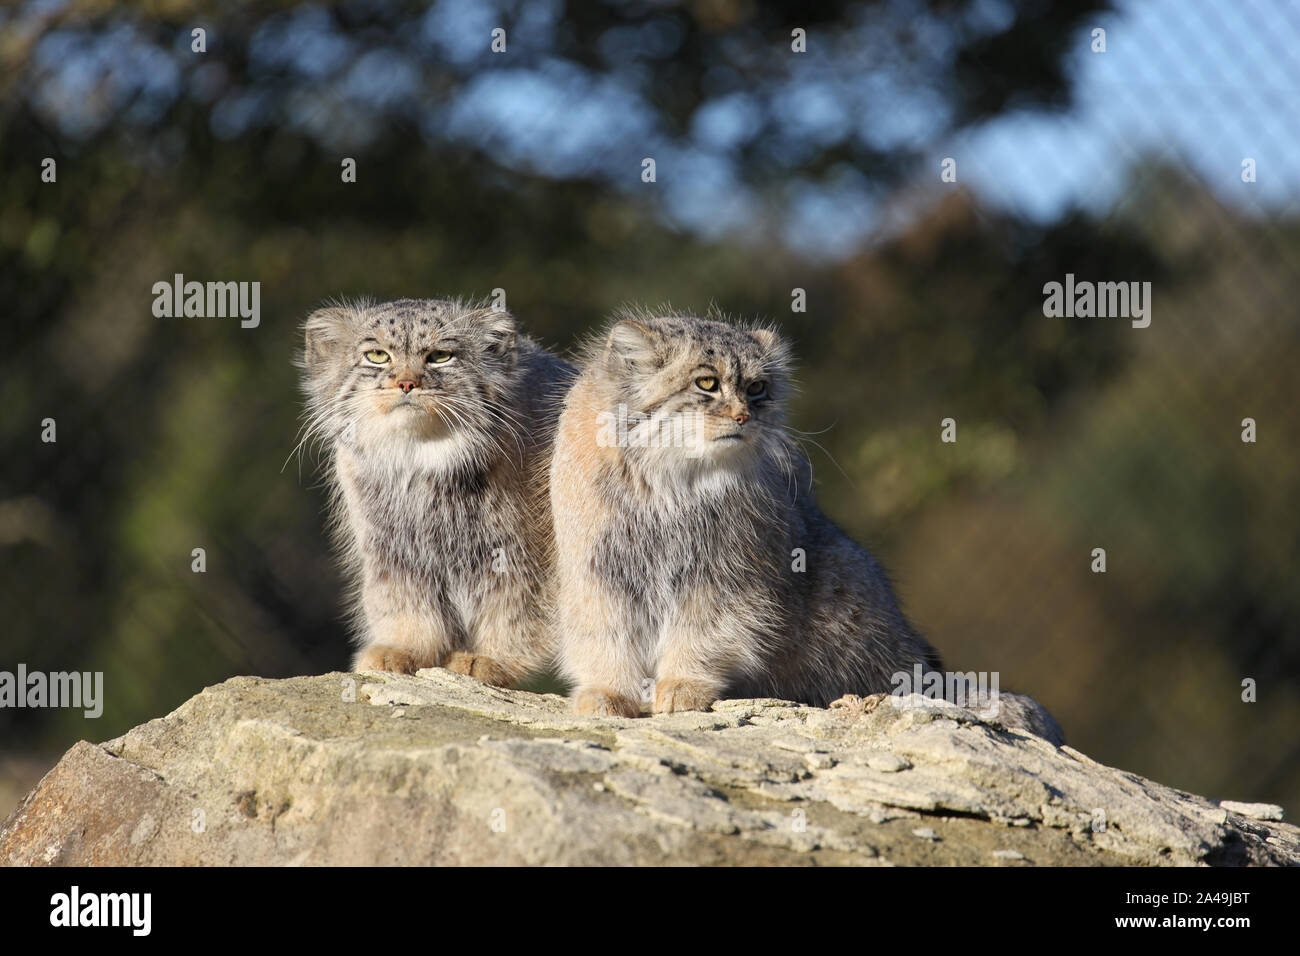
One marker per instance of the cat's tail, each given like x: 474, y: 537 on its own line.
x: 1015, y: 712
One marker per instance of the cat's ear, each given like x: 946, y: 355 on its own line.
x: 768, y: 340
x: 774, y: 345
x: 325, y: 331
x: 630, y: 341
x: 499, y: 330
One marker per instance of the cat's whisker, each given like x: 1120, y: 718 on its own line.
x: 460, y: 410
x: 825, y: 451
x: 798, y: 431
x: 507, y: 419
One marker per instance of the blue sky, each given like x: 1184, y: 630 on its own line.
x: 1205, y: 82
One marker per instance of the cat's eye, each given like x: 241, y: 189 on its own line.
x: 707, y: 383
x: 440, y: 357
x: 756, y: 389
x: 378, y: 356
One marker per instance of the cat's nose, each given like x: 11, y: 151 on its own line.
x: 740, y: 417
x: 406, y: 385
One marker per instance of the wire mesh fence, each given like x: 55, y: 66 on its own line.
x: 897, y: 185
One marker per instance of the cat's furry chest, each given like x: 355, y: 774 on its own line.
x: 657, y: 551
x: 445, y: 523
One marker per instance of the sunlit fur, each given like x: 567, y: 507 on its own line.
x: 679, y: 561
x: 440, y: 508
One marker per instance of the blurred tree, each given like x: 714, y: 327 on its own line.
x: 476, y: 170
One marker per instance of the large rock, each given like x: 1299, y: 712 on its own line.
x: 438, y: 768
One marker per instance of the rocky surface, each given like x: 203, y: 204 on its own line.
x: 440, y: 769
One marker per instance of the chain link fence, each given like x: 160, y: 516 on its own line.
x: 899, y: 195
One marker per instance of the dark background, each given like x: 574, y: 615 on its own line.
x: 775, y: 171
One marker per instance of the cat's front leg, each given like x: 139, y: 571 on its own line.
x: 403, y: 644
x: 511, y: 636
x: 702, y: 644
x: 393, y: 657
x: 403, y: 631
x: 673, y: 694
x: 598, y: 653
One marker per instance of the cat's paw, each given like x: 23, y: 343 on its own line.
x: 679, y: 693
x: 604, y: 703
x: 484, y: 668
x: 385, y: 657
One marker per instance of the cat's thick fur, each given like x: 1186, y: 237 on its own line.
x: 437, y: 418
x: 691, y: 551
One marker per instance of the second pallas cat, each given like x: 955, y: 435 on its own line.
x: 690, y: 549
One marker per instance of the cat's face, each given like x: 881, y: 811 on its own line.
x: 410, y: 371
x: 697, y: 392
